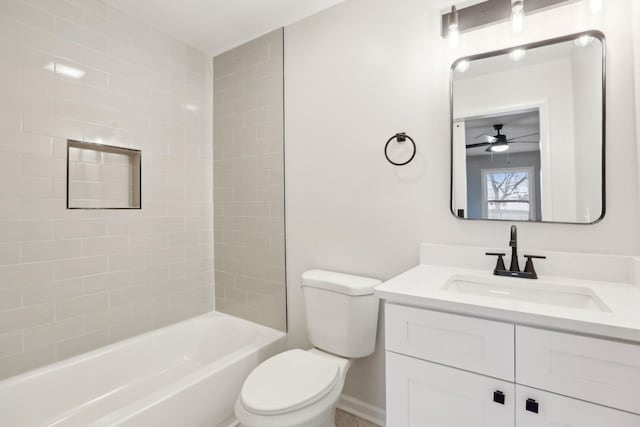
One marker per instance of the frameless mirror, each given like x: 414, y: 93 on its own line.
x: 527, y: 132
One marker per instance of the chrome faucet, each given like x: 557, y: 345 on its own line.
x: 514, y: 268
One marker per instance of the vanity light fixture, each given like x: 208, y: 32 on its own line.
x: 517, y: 54
x: 482, y: 13
x: 583, y: 41
x: 453, y: 33
x: 595, y: 6
x: 463, y: 66
x: 517, y: 16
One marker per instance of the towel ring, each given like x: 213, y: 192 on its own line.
x: 400, y: 137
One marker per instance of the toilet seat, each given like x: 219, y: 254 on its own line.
x: 289, y: 381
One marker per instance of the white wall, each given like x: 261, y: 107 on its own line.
x: 365, y: 69
x: 74, y: 280
x: 586, y: 63
x: 635, y: 17
x: 459, y: 189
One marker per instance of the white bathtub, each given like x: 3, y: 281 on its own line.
x: 184, y: 375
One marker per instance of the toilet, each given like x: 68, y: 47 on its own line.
x: 301, y: 388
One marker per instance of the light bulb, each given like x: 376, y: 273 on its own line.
x: 517, y: 16
x: 517, y: 54
x: 595, y: 6
x: 454, y: 36
x: 454, y: 32
x: 499, y: 147
x: 463, y: 66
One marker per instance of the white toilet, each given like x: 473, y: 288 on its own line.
x: 300, y: 388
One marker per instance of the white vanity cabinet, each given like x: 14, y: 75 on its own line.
x: 448, y: 370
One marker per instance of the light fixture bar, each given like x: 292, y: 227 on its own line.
x: 492, y: 11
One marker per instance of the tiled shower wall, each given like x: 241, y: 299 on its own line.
x: 74, y: 280
x: 249, y: 181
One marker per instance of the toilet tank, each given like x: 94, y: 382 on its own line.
x: 342, y: 312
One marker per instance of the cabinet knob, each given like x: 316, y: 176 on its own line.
x: 498, y: 397
x: 532, y: 406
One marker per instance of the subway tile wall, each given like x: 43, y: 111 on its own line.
x: 249, y: 181
x: 75, y: 280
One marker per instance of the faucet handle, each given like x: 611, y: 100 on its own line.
x: 528, y: 268
x: 499, y: 263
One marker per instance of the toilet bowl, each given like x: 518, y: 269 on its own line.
x: 301, y: 388
x: 296, y: 388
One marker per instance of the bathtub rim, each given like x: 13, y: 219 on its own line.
x: 34, y: 373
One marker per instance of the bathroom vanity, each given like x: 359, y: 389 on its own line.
x: 466, y: 348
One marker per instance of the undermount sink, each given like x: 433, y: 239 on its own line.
x: 527, y: 291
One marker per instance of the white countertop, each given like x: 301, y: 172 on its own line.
x: 422, y: 287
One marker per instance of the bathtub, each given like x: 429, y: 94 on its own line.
x: 183, y: 375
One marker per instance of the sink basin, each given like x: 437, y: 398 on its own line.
x: 524, y: 290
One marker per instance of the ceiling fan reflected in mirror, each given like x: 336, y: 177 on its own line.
x: 499, y: 143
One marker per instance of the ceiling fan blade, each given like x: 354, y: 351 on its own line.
x: 489, y: 138
x: 522, y: 136
x: 524, y: 142
x: 480, y: 144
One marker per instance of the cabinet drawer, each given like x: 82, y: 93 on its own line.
x: 423, y: 394
x: 554, y: 411
x: 476, y: 345
x: 591, y: 369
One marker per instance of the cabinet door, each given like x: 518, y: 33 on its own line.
x: 560, y: 411
x: 477, y: 345
x: 591, y: 369
x: 421, y: 394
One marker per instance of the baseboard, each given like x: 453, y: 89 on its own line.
x: 362, y: 409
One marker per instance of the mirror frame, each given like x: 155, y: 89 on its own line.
x: 593, y: 33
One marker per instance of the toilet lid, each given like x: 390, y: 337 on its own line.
x: 289, y: 381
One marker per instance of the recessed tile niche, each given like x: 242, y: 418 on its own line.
x: 102, y: 176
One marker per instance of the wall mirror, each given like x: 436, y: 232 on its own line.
x: 527, y: 132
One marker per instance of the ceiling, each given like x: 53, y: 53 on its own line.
x: 215, y: 26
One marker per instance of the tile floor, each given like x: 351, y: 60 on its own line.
x: 345, y: 419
